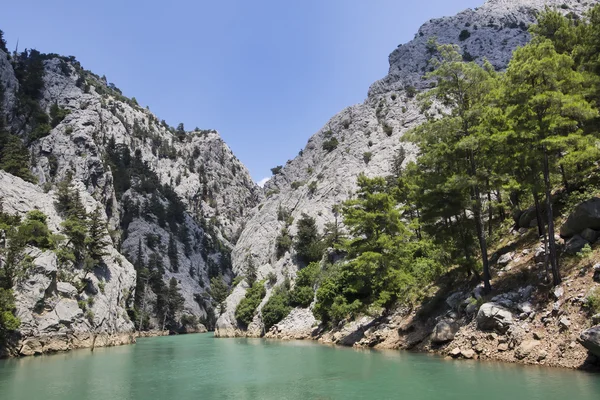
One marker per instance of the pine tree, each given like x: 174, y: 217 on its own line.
x: 546, y: 110
x: 308, y: 244
x: 219, y: 292
x: 172, y: 253
x: 455, y: 138
x: 250, y: 272
x: 96, y: 242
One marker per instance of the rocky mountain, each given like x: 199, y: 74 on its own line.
x: 364, y: 138
x: 174, y: 201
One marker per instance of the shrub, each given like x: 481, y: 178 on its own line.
x: 312, y: 187
x: 297, y: 184
x: 308, y: 244
x: 276, y: 170
x: 283, y: 243
x: 276, y: 308
x: 411, y: 91
x: 592, y: 301
x: 464, y: 35
x: 367, y: 156
x: 330, y: 145
x: 388, y: 129
x: 244, y: 312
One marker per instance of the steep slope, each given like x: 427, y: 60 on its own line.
x: 365, y: 138
x: 174, y: 201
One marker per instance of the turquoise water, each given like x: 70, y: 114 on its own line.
x: 201, y: 367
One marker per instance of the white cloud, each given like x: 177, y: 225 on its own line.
x: 262, y: 182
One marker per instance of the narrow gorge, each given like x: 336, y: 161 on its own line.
x: 116, y: 225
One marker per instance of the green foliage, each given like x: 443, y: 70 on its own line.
x: 592, y: 301
x: 276, y: 170
x: 57, y: 114
x: 8, y: 321
x: 308, y: 245
x: 464, y: 35
x: 585, y: 252
x: 330, y: 144
x: 219, y: 292
x: 303, y: 293
x: 276, y: 308
x: 297, y: 184
x: 386, y: 262
x: 14, y: 156
x: 283, y: 243
x: 244, y: 312
x: 367, y: 156
x: 250, y: 271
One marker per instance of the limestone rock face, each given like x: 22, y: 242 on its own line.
x: 49, y: 305
x: 364, y: 138
x: 197, y: 168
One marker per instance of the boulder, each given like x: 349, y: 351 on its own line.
x: 590, y: 339
x: 455, y: 352
x: 467, y: 353
x: 506, y: 258
x: 455, y: 299
x: 585, y: 216
x: 596, y: 276
x: 575, y: 244
x: 66, y: 289
x: 528, y: 219
x: 525, y: 348
x: 590, y: 235
x: 564, y: 323
x: 492, y: 316
x: 444, y: 332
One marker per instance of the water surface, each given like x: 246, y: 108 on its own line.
x: 202, y: 367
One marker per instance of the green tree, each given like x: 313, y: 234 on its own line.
x: 96, y: 242
x: 250, y: 272
x: 308, y: 243
x: 244, y: 312
x: 219, y: 292
x: 456, y: 136
x: 173, y: 254
x: 276, y: 308
x: 175, y: 303
x: 547, y: 110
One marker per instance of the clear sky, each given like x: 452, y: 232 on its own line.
x: 267, y: 74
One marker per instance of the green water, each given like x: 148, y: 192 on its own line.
x: 201, y: 367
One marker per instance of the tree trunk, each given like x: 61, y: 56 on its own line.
x: 556, y: 279
x: 479, y: 226
x: 538, y: 214
x: 490, y: 211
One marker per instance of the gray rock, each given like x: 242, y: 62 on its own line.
x: 525, y: 348
x: 467, y: 353
x: 67, y: 311
x: 444, y: 332
x: 505, y: 259
x: 596, y: 276
x: 564, y: 323
x: 596, y: 319
x: 493, y: 316
x: 590, y: 235
x: 558, y: 292
x: 585, y: 216
x: 590, y: 339
x: 65, y: 289
x: 575, y: 244
x: 542, y: 354
x: 455, y: 299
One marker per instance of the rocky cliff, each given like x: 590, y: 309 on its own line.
x: 365, y: 138
x: 173, y: 200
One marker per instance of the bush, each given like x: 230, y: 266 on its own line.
x: 276, y: 308
x: 276, y: 170
x: 244, y: 312
x: 367, y: 156
x: 330, y: 144
x: 464, y: 35
x: 297, y: 184
x: 592, y: 301
x: 283, y: 243
x: 302, y: 296
x: 308, y: 245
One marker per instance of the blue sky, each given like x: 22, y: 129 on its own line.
x: 266, y: 74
